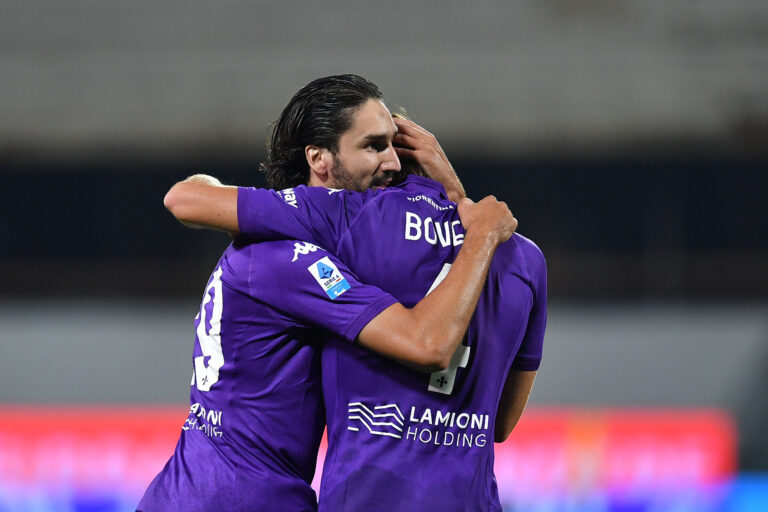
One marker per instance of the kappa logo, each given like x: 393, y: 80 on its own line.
x: 302, y: 248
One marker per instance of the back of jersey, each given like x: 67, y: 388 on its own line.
x: 400, y: 439
x: 253, y: 373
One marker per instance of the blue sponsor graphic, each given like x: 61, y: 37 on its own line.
x: 324, y: 270
x: 338, y: 289
x: 329, y: 277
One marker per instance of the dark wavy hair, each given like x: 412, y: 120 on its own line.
x: 316, y: 115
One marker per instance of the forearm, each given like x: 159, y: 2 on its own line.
x: 426, y: 336
x: 418, y: 145
x: 202, y: 201
x: 442, y: 317
x: 453, y: 188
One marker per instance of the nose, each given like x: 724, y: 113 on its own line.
x: 389, y: 160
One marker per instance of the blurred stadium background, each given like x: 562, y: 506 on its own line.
x: 629, y: 138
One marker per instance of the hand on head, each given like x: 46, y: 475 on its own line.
x: 414, y: 143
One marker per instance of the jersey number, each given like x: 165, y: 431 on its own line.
x: 207, y: 365
x: 442, y: 381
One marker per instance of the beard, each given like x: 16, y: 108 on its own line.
x: 344, y: 179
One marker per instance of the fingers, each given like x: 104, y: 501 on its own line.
x: 413, y: 134
x: 406, y: 153
x: 464, y: 208
x: 408, y: 126
x: 489, y: 199
x: 488, y: 214
x: 403, y: 139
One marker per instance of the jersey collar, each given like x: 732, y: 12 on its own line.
x: 418, y: 182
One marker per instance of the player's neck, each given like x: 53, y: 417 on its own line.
x: 317, y: 181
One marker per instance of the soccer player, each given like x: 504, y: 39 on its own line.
x: 397, y: 439
x: 256, y: 416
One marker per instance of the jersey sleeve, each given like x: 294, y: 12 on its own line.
x: 315, y: 214
x: 313, y: 287
x: 529, y: 354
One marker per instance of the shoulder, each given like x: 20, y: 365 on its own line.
x: 423, y: 201
x: 248, y: 264
x: 522, y: 257
x: 528, y: 248
x: 325, y: 195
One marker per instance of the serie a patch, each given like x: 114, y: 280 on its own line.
x: 329, y: 277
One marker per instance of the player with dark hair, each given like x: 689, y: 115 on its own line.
x: 399, y: 439
x: 317, y: 114
x: 256, y: 416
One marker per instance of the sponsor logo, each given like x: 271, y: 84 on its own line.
x: 329, y: 277
x: 333, y: 190
x: 302, y: 248
x: 289, y: 196
x: 207, y: 421
x: 382, y: 420
x: 427, y: 426
x: 324, y: 270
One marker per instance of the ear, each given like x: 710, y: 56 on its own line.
x: 320, y: 162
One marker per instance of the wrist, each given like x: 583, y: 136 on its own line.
x: 455, y: 193
x: 482, y: 236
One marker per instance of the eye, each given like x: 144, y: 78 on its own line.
x: 377, y: 146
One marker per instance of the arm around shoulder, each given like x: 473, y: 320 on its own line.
x: 201, y: 201
x: 427, y: 335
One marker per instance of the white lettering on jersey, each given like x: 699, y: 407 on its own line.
x: 210, y: 340
x: 430, y: 202
x: 426, y: 426
x: 432, y: 232
x: 302, y: 248
x: 289, y: 196
x: 412, y: 226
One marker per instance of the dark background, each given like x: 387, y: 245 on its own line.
x: 620, y: 227
x: 629, y: 138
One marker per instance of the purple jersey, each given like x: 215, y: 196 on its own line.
x: 256, y: 417
x: 400, y: 439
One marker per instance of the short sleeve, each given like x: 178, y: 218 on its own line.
x: 312, y: 286
x: 315, y: 214
x: 529, y: 354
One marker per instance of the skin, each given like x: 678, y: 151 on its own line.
x: 418, y: 144
x: 366, y: 158
x: 432, y: 330
x: 203, y: 202
x: 423, y: 337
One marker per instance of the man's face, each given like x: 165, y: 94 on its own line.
x: 366, y: 157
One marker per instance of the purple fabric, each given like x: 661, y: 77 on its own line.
x: 251, y: 438
x: 398, y: 440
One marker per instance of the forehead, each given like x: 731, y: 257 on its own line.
x: 372, y: 117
